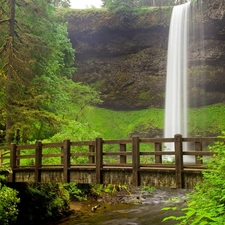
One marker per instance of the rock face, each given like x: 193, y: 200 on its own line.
x: 207, y: 53
x: 124, y: 56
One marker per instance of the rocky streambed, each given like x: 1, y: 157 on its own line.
x: 127, y: 208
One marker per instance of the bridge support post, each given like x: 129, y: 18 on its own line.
x: 123, y: 158
x: 158, y: 148
x: 91, y: 158
x: 12, y: 161
x: 179, y: 161
x: 99, y: 160
x: 198, y: 147
x: 66, y: 160
x: 136, y: 160
x: 38, y: 161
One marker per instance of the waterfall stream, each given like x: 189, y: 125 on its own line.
x: 176, y: 82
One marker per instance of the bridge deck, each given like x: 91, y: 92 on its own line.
x: 130, y: 161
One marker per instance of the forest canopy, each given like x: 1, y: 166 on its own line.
x: 36, y: 66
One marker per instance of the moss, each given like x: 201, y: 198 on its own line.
x: 97, y: 19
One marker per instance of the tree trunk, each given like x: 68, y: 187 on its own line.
x: 9, y: 90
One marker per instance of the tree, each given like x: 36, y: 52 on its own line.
x: 119, y: 6
x: 62, y: 3
x: 138, y: 3
x: 34, y: 52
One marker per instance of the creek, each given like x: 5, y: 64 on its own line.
x: 140, y: 208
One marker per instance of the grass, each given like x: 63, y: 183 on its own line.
x: 120, y: 124
x: 205, y: 121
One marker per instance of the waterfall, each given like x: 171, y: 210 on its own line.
x: 176, y: 79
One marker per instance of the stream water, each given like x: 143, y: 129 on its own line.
x: 140, y: 208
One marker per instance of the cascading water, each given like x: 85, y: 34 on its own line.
x: 177, y: 65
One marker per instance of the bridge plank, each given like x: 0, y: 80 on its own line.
x: 154, y: 140
x: 52, y: 145
x: 82, y: 167
x: 83, y: 154
x: 5, y: 147
x: 158, y: 168
x: 201, y: 153
x: 48, y: 155
x: 117, y: 153
x: 158, y: 153
x: 25, y: 147
x: 31, y: 156
x: 81, y: 143
x: 117, y: 168
x: 121, y: 141
x: 203, y: 139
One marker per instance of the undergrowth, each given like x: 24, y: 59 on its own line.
x: 205, y: 205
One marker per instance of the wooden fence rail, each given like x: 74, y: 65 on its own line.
x: 127, y: 158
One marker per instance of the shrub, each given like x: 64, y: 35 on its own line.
x: 42, y: 202
x: 8, y: 205
x: 75, y: 192
x: 206, y: 204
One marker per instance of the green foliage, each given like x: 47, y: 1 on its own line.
x: 75, y: 131
x: 139, y: 3
x: 4, y: 172
x: 206, y: 204
x: 75, y: 192
x: 204, y: 121
x: 118, y: 6
x: 100, y: 189
x: 42, y: 202
x: 8, y: 205
x: 122, y: 124
x: 149, y: 189
x: 207, y: 121
x: 41, y: 57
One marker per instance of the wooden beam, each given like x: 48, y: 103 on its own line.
x: 99, y: 160
x: 158, y: 148
x: 136, y: 160
x: 123, y: 158
x: 91, y: 158
x: 198, y: 147
x: 38, y: 161
x: 66, y: 160
x: 179, y: 160
x: 12, y: 161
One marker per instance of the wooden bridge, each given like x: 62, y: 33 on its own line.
x: 135, y: 161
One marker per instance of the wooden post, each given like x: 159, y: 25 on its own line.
x: 91, y: 158
x: 136, y: 160
x: 99, y: 160
x: 18, y: 158
x: 198, y: 147
x: 38, y: 161
x: 66, y: 160
x: 1, y: 159
x: 62, y: 152
x: 12, y: 161
x: 158, y: 148
x: 179, y: 160
x: 123, y: 158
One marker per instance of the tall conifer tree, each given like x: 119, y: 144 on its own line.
x: 35, y: 56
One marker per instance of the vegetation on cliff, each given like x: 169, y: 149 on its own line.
x: 206, y: 203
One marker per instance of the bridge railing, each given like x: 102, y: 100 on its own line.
x: 127, y: 154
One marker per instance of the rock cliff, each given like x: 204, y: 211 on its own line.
x: 124, y: 55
